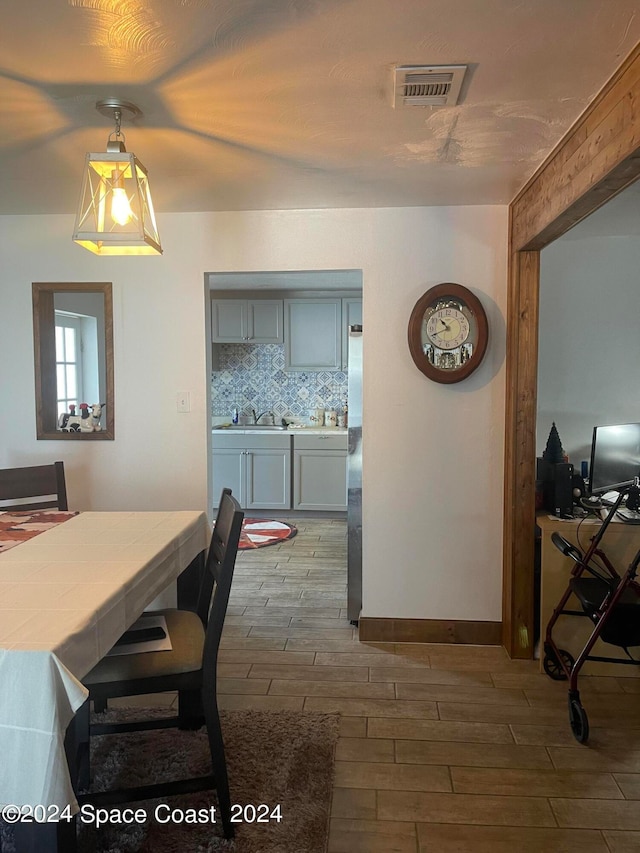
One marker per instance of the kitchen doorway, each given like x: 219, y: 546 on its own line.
x: 278, y: 365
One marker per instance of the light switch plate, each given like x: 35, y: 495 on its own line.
x: 183, y: 401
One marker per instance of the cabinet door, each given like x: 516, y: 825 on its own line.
x: 228, y: 321
x: 229, y: 472
x: 268, y: 479
x: 320, y: 479
x: 265, y: 318
x: 313, y: 339
x: 351, y: 314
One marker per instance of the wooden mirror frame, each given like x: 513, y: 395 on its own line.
x: 596, y: 159
x: 45, y: 360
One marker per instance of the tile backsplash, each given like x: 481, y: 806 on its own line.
x: 252, y: 376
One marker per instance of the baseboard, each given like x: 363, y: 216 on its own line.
x: 383, y: 630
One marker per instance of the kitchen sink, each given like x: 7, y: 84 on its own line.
x: 263, y: 427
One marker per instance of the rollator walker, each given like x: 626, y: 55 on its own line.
x: 610, y: 600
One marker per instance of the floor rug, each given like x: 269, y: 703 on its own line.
x: 258, y: 532
x: 280, y: 758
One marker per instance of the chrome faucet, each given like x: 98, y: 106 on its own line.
x: 256, y: 418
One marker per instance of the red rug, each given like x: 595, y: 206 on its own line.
x: 258, y: 532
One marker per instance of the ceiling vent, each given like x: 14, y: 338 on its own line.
x: 427, y: 85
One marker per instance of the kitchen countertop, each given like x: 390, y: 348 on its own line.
x: 292, y: 430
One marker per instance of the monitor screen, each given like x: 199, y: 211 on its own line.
x: 615, y: 457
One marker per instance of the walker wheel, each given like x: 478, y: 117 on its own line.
x: 579, y: 721
x: 553, y: 667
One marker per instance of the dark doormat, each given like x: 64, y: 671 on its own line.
x: 280, y: 766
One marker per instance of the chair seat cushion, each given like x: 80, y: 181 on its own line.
x: 187, y: 639
x: 622, y: 627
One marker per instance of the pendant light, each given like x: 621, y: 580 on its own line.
x: 115, y: 215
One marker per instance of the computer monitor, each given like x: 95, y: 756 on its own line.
x: 615, y: 457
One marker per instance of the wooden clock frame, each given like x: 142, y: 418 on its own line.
x: 430, y: 298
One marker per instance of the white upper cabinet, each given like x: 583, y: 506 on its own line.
x: 254, y: 321
x: 228, y: 320
x: 265, y: 321
x: 313, y: 339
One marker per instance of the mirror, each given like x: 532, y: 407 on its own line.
x: 73, y: 350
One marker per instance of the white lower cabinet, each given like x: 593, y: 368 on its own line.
x: 268, y: 483
x: 257, y: 469
x: 320, y: 472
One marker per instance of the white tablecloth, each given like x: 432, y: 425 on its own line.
x: 65, y: 598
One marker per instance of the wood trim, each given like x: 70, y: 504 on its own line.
x: 45, y: 361
x: 519, y: 492
x: 383, y: 630
x: 110, y: 423
x: 598, y: 157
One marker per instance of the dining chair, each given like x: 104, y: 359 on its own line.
x: 189, y: 668
x: 40, y: 482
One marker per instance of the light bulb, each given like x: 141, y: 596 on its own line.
x: 120, y: 208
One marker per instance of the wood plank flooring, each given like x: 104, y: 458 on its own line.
x: 442, y: 748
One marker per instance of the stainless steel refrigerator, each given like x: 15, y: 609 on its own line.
x: 354, y: 476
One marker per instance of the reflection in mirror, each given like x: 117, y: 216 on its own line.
x: 73, y: 341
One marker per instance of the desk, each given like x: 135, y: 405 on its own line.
x: 620, y: 543
x: 65, y: 598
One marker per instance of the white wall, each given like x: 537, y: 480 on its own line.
x: 433, y: 454
x: 589, y: 342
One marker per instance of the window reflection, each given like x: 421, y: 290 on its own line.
x: 79, y: 354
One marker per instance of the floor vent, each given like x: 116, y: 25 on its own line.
x: 427, y: 85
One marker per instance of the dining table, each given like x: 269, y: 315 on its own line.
x: 66, y: 596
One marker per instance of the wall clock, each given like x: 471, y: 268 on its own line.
x: 448, y: 333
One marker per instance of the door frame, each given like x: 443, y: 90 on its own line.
x: 596, y: 159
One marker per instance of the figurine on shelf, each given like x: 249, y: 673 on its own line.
x: 554, y: 452
x: 87, y: 421
x: 63, y: 420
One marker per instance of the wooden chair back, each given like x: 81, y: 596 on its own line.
x: 40, y: 482
x: 219, y: 575
x: 215, y: 555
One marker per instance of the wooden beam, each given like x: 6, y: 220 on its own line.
x: 595, y: 160
x: 520, y: 452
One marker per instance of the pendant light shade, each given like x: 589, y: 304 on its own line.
x: 115, y: 215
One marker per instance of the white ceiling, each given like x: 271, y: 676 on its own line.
x: 277, y: 104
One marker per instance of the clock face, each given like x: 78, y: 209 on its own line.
x: 448, y: 333
x: 447, y: 327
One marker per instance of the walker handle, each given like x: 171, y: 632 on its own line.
x: 566, y: 547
